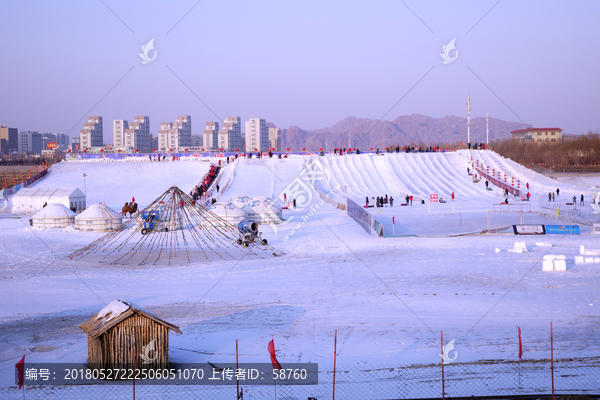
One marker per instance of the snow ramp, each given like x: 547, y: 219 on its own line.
x: 399, y: 174
x: 114, y: 183
x: 539, y: 184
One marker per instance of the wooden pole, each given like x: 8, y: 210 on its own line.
x: 133, y: 356
x: 552, y: 358
x: 237, y: 382
x: 443, y: 382
x: 334, y: 359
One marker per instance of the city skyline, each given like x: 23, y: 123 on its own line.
x: 530, y: 63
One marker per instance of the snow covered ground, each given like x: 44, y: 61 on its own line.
x: 389, y: 298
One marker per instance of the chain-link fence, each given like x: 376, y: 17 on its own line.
x: 500, y: 379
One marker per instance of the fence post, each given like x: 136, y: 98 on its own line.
x: 237, y: 382
x: 442, y: 354
x: 552, y: 358
x: 334, y: 356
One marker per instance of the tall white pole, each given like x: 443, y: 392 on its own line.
x: 468, y: 120
x: 487, y: 129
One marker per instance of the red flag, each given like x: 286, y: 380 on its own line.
x: 20, y: 366
x: 520, y: 344
x: 274, y: 361
x: 393, y: 220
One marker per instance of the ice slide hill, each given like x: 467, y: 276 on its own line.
x: 539, y: 184
x: 114, y: 183
x: 399, y: 174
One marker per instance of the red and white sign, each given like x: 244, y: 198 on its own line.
x: 433, y: 198
x: 52, y: 145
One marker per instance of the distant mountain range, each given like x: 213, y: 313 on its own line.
x: 417, y: 129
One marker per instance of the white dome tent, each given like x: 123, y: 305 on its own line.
x: 54, y: 215
x: 32, y: 199
x: 263, y: 211
x: 228, y: 211
x: 98, y: 218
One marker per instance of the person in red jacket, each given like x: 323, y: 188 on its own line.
x: 528, y: 195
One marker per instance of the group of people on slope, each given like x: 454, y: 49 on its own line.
x: 379, y: 202
x: 476, y: 146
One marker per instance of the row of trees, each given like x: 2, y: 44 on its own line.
x: 583, y: 150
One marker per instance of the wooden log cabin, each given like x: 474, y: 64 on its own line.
x: 123, y: 334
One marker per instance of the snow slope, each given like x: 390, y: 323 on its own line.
x: 398, y: 174
x: 115, y: 183
x: 538, y: 184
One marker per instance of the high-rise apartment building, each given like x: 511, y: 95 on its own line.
x: 257, y: 135
x: 211, y: 136
x: 196, y: 141
x: 230, y: 135
x: 119, y: 126
x: 176, y: 134
x: 275, y: 138
x: 11, y: 135
x: 30, y: 142
x: 138, y: 136
x: 92, y: 133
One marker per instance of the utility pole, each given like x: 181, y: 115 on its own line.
x: 468, y: 121
x: 84, y: 186
x: 487, y: 129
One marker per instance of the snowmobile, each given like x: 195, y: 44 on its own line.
x: 249, y: 234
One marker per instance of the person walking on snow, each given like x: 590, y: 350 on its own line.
x: 407, y: 200
x: 552, y: 196
x: 391, y: 201
x: 527, y: 185
x: 468, y: 171
x: 367, y: 201
x: 574, y: 200
x: 581, y: 202
x: 557, y: 191
x: 294, y: 203
x: 487, y: 184
x: 528, y: 194
x: 549, y: 196
x: 410, y: 198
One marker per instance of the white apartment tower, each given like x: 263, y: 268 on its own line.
x: 119, y: 126
x: 92, y: 134
x: 275, y: 138
x: 257, y: 135
x: 230, y: 136
x: 178, y: 134
x: 211, y: 131
x: 138, y: 136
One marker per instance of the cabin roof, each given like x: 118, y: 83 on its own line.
x: 116, y: 312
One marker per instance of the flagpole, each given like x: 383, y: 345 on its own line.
x: 24, y: 352
x: 334, y: 357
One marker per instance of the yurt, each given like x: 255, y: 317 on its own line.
x: 228, y: 211
x: 98, y: 218
x: 54, y: 215
x: 240, y: 201
x: 33, y: 199
x: 263, y: 211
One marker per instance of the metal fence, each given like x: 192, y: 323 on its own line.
x: 500, y: 379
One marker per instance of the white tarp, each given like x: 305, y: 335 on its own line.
x: 29, y: 200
